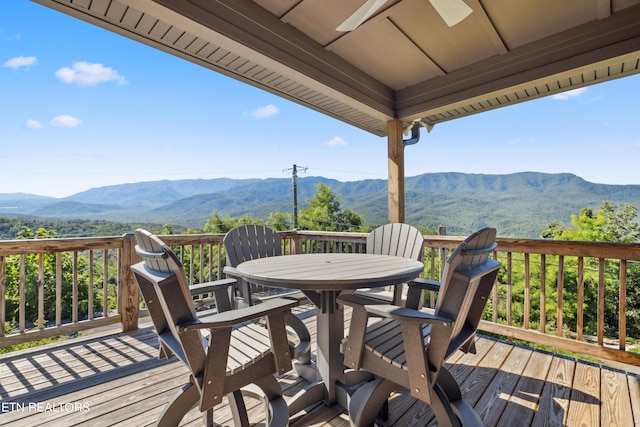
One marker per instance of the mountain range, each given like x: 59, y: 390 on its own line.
x: 518, y: 205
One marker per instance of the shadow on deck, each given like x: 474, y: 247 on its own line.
x: 115, y: 379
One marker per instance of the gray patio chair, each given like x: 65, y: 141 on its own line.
x: 248, y: 242
x: 396, y: 239
x: 226, y: 353
x: 406, y: 349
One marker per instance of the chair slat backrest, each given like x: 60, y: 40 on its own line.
x: 164, y: 286
x: 248, y: 242
x: 396, y: 239
x: 468, y: 277
x: 251, y: 241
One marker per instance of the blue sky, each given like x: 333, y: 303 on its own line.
x: 86, y: 108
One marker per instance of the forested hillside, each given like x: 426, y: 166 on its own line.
x: 12, y: 228
x: 519, y: 204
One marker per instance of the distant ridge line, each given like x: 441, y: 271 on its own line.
x: 519, y: 204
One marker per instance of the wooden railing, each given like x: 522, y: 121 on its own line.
x: 48, y: 274
x: 85, y: 283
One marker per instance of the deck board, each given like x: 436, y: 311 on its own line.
x: 634, y: 394
x: 493, y: 401
x: 615, y: 407
x: 556, y: 392
x: 525, y: 397
x: 585, y: 396
x: 120, y: 381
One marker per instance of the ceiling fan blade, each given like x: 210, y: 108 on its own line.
x: 359, y: 16
x: 451, y: 11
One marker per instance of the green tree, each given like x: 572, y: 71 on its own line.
x: 323, y: 213
x: 279, y: 221
x: 219, y: 225
x: 610, y: 223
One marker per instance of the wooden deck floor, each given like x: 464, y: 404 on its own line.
x: 116, y: 380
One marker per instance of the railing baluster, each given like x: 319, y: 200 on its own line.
x: 22, y: 292
x: 58, y: 288
x: 210, y: 266
x: 192, y: 265
x: 580, y: 315
x: 220, y: 267
x: 40, y: 291
x: 509, y: 287
x: 90, y: 286
x: 3, y: 292
x: 432, y: 276
x: 105, y: 283
x: 202, y: 265
x: 601, y: 296
x: 494, y: 297
x: 74, y: 292
x: 559, y: 319
x: 543, y: 293
x: 527, y: 291
x: 622, y: 297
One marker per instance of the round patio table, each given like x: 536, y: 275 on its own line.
x: 322, y: 277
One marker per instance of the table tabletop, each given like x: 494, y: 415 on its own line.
x: 330, y: 272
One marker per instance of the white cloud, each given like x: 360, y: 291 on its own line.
x: 66, y: 121
x: 569, y: 94
x: 33, y: 124
x: 20, y: 61
x: 16, y: 36
x: 266, y: 111
x: 335, y: 142
x: 85, y: 74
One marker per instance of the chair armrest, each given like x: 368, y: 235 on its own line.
x: 415, y: 291
x: 425, y: 284
x: 220, y: 291
x: 354, y: 299
x: 231, y: 271
x: 230, y: 318
x: 407, y: 315
x: 211, y: 287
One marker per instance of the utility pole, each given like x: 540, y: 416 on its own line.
x: 294, y: 174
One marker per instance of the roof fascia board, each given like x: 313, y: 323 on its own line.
x: 588, y: 44
x: 246, y: 29
x: 528, y: 87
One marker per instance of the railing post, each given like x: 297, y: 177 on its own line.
x: 128, y: 297
x: 296, y: 243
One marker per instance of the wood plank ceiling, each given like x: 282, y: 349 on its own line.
x: 402, y: 63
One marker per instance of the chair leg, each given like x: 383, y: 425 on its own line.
x: 186, y: 399
x: 207, y: 418
x: 238, y: 409
x: 365, y: 404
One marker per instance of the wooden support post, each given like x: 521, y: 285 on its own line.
x: 128, y: 295
x: 396, y: 171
